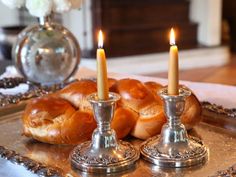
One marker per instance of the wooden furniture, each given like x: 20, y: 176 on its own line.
x: 141, y: 26
x: 222, y: 75
x: 229, y: 15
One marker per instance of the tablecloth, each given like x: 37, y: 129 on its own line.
x: 219, y: 94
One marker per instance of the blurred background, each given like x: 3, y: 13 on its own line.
x: 137, y: 33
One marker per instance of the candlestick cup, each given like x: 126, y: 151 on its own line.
x: 174, y: 147
x: 104, y: 154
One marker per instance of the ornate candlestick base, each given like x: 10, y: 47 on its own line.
x: 174, y: 148
x: 104, y: 154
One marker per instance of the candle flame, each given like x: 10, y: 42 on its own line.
x: 100, y: 39
x: 172, y: 36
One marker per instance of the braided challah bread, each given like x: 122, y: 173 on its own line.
x: 66, y: 117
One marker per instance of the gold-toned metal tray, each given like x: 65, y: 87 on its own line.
x: 221, y: 143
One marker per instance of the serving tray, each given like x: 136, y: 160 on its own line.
x: 218, y: 131
x: 52, y: 160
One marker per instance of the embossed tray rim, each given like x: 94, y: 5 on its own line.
x: 15, y: 117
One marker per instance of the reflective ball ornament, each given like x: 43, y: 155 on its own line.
x: 46, y: 53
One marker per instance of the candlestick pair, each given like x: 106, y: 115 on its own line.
x: 173, y: 148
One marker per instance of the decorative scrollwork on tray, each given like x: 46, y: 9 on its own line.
x: 11, y: 82
x: 219, y: 109
x: 34, y: 90
x: 31, y: 165
x: 196, y: 151
x: 230, y: 172
x: 128, y: 153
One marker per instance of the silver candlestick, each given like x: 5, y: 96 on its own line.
x: 173, y: 147
x: 104, y: 154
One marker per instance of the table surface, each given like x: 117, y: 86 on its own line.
x: 216, y: 75
x: 223, y: 74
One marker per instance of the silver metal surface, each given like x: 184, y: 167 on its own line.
x: 174, y: 148
x: 46, y: 53
x: 221, y: 142
x: 104, y: 154
x: 31, y: 165
x: 34, y: 90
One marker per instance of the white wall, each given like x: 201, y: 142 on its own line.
x: 208, y: 14
x: 8, y: 16
x: 80, y: 24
